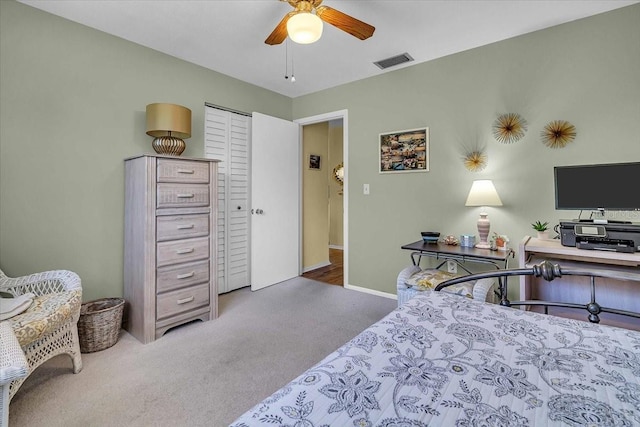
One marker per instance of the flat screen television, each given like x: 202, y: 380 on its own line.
x: 614, y: 186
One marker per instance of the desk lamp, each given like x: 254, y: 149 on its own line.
x: 483, y: 193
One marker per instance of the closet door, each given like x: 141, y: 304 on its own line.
x: 227, y: 137
x: 275, y: 184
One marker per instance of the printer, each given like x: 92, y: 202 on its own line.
x: 600, y: 235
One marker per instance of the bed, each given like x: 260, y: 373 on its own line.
x: 445, y: 360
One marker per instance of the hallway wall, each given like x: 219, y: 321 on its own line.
x: 315, y: 203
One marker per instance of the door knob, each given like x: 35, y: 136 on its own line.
x: 259, y: 211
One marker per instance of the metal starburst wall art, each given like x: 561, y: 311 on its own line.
x: 509, y: 128
x: 558, y: 133
x: 475, y: 161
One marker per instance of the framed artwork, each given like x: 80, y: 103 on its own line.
x: 404, y: 151
x: 314, y: 161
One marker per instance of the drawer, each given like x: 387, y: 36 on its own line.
x: 187, y: 171
x: 179, y: 251
x: 174, y: 227
x: 182, y: 275
x: 182, y: 195
x: 180, y: 301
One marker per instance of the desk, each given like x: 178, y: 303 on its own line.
x: 619, y: 289
x: 498, y: 259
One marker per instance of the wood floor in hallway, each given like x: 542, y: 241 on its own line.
x: 331, y: 274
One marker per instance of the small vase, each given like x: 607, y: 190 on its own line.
x: 543, y: 235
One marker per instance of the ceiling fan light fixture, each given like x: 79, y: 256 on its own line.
x: 304, y: 28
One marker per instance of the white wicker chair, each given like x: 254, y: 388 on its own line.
x: 58, y: 288
x: 483, y: 289
x: 13, y: 366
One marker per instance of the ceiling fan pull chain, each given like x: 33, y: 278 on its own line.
x: 293, y: 77
x: 286, y: 59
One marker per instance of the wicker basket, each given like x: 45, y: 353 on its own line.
x: 99, y: 324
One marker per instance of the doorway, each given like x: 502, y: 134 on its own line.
x: 324, y: 255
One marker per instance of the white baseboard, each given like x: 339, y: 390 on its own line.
x: 336, y: 247
x: 315, y: 267
x: 372, y: 292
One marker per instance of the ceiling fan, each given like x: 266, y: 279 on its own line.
x: 303, y: 26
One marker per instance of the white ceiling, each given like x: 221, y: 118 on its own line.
x: 228, y: 36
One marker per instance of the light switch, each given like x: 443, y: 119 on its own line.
x: 365, y: 189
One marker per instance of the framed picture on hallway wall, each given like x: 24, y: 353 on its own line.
x: 404, y: 151
x: 314, y: 161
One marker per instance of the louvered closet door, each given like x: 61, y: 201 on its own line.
x: 227, y: 137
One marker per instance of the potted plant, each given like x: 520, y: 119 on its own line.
x: 542, y: 229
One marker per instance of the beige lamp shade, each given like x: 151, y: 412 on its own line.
x: 169, y: 124
x: 483, y: 193
x: 168, y: 119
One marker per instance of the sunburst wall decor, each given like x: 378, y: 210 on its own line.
x: 475, y: 161
x: 509, y: 128
x: 558, y: 133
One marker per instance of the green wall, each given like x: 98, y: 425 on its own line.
x: 585, y: 72
x: 72, y: 108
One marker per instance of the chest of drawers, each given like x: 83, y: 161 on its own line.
x: 169, y: 266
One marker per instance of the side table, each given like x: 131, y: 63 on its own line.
x: 499, y: 259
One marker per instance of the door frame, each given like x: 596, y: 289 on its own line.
x: 320, y: 118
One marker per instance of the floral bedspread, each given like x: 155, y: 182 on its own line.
x: 445, y: 360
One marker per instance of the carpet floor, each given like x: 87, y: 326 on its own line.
x: 202, y: 373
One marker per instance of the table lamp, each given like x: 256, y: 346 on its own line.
x: 169, y: 124
x: 483, y: 193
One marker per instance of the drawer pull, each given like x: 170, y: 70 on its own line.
x: 186, y: 171
x: 185, y: 251
x: 186, y: 227
x: 185, y: 196
x: 185, y: 300
x: 185, y: 275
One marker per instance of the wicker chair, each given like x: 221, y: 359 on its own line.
x: 482, y: 290
x: 13, y: 365
x: 49, y: 327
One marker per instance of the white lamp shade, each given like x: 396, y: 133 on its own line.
x: 304, y: 28
x: 483, y: 193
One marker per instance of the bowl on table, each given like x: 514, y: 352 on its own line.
x: 430, y: 236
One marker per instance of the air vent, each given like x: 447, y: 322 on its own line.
x: 394, y: 60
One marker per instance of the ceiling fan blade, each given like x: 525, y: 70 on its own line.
x: 279, y: 34
x: 347, y: 23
